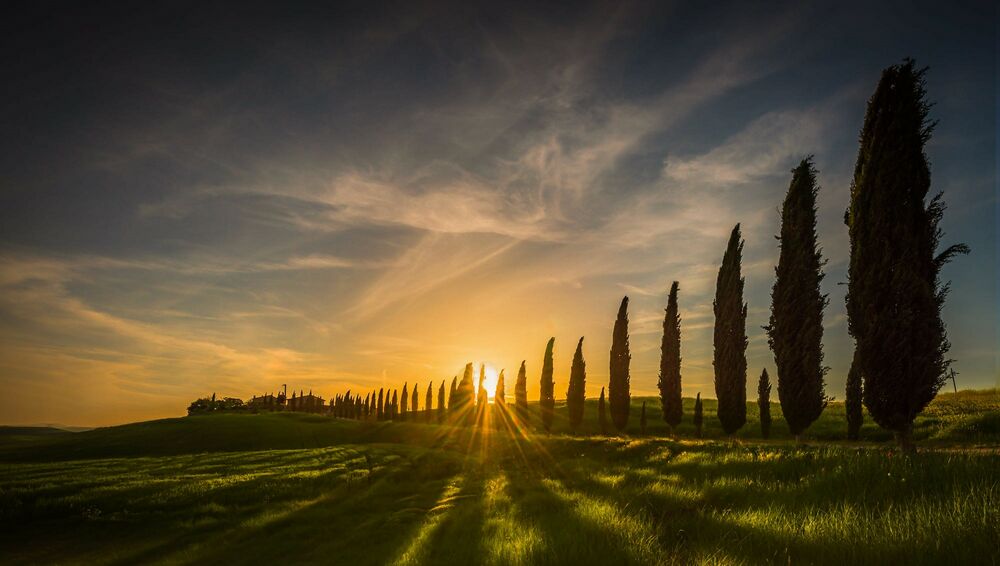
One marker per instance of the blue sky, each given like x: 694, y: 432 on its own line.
x: 200, y: 199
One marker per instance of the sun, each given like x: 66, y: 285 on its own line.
x: 491, y: 381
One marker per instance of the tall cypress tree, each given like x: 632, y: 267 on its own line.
x: 698, y: 416
x: 414, y: 400
x: 395, y: 405
x: 894, y: 294
x: 381, y: 406
x: 576, y: 394
x: 795, y: 331
x: 453, y: 395
x: 852, y: 403
x: 482, y: 398
x: 521, y: 393
x: 546, y: 396
x: 500, y: 393
x: 441, y: 405
x: 670, y: 362
x: 405, y: 402
x: 619, y: 396
x: 602, y: 413
x: 466, y: 396
x: 764, y: 404
x: 429, y: 402
x: 730, y: 339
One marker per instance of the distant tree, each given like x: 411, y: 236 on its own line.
x: 619, y: 395
x: 730, y: 339
x: 381, y: 406
x: 670, y: 362
x: 642, y: 419
x: 852, y: 403
x: 698, y: 417
x: 764, y: 404
x: 521, y: 393
x: 482, y: 398
x: 395, y: 404
x: 795, y: 331
x: 366, y: 407
x: 500, y: 393
x: 602, y: 414
x: 414, y: 400
x: 546, y: 396
x: 404, y: 402
x: 466, y: 396
x: 453, y: 395
x: 576, y: 394
x: 441, y: 405
x: 894, y: 293
x: 429, y: 402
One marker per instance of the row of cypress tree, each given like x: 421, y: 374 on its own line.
x: 894, y: 301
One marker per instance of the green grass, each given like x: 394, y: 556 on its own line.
x: 287, y: 488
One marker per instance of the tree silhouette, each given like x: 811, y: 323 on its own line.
x: 576, y: 394
x: 404, y: 402
x: 619, y: 396
x: 429, y: 402
x: 441, y: 405
x: 499, y: 395
x: 795, y: 331
x: 381, y: 405
x: 894, y: 294
x: 482, y: 399
x: 852, y: 403
x: 453, y: 395
x: 521, y: 393
x: 546, y: 396
x: 730, y: 338
x: 764, y: 403
x: 466, y: 396
x: 602, y: 414
x: 698, y: 416
x: 670, y: 362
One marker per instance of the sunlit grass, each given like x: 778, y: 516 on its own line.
x: 502, y: 493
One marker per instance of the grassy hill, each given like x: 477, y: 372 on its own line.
x: 295, y: 488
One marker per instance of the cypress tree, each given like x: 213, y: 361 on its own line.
x: 395, y: 405
x: 852, y: 403
x: 619, y: 396
x: 764, y: 404
x: 429, y: 402
x: 795, y: 331
x: 602, y: 414
x: 405, y: 402
x: 465, y: 396
x: 368, y: 404
x: 441, y: 405
x: 642, y: 419
x: 894, y: 294
x: 381, y: 406
x: 413, y: 401
x: 499, y: 395
x: 521, y: 393
x: 546, y: 397
x: 698, y: 417
x: 730, y: 339
x: 670, y: 362
x: 482, y: 398
x: 576, y: 394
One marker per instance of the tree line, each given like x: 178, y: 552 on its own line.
x: 894, y: 304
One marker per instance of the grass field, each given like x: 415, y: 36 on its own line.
x: 292, y: 488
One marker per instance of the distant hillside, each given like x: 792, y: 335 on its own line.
x: 968, y: 417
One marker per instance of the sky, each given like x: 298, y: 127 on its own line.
x: 196, y: 198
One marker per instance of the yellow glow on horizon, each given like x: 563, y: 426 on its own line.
x: 490, y: 383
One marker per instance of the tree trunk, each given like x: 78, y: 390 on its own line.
x: 905, y: 439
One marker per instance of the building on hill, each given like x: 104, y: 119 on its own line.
x: 267, y: 402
